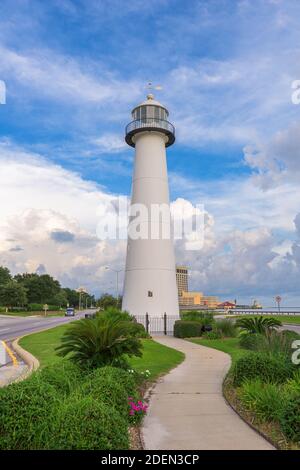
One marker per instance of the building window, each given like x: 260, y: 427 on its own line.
x: 150, y: 293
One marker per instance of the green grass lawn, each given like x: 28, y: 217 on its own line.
x: 156, y: 357
x: 42, y: 345
x: 227, y: 345
x: 29, y: 314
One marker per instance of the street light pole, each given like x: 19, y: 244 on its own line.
x: 117, y: 271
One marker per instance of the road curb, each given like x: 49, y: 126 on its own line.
x: 31, y: 361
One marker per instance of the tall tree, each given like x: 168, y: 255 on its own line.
x: 12, y: 294
x: 72, y: 296
x: 5, y: 276
x: 107, y: 300
x: 40, y: 289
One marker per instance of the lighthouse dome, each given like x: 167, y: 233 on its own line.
x: 150, y: 115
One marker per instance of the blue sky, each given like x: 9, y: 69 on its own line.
x: 74, y: 70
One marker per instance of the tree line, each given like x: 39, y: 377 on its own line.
x: 29, y: 289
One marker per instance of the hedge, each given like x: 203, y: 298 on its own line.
x: 61, y: 407
x: 268, y: 368
x: 187, y: 329
x: 26, y: 410
x: 290, y: 418
x: 88, y: 424
x: 111, y: 386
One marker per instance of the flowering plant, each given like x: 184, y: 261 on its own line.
x: 140, y: 376
x: 137, y: 410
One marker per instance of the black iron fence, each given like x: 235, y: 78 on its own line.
x: 163, y: 324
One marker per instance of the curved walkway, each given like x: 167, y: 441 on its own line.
x: 187, y: 409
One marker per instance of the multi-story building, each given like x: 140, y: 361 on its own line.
x: 190, y: 298
x: 182, y: 280
x: 194, y: 298
x: 210, y: 301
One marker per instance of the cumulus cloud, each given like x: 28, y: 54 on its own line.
x: 50, y: 218
x: 276, y: 160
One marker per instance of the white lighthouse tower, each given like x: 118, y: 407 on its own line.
x: 150, y: 275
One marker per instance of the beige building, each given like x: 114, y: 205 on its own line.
x: 193, y: 298
x: 190, y: 298
x: 210, y: 301
x: 182, y: 279
x: 198, y: 299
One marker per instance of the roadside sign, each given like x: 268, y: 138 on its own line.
x: 45, y: 308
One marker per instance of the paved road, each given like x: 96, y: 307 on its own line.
x: 289, y: 326
x: 12, y: 327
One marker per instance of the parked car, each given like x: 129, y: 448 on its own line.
x: 70, y: 312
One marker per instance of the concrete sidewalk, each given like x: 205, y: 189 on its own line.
x: 187, y: 409
x: 10, y: 373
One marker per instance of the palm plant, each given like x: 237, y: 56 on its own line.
x: 100, y: 341
x: 261, y: 325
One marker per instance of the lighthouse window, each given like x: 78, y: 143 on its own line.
x: 150, y: 111
x: 143, y: 112
x: 150, y: 293
x: 138, y: 113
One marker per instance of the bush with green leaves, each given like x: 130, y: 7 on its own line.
x: 88, y: 424
x: 290, y: 418
x: 267, y: 400
x: 187, y: 329
x: 205, y: 317
x: 272, y: 342
x: 111, y: 386
x: 261, y: 325
x: 292, y: 386
x: 138, y: 330
x: 214, y: 334
x: 40, y: 307
x: 227, y: 328
x: 64, y: 378
x: 251, y: 341
x: 268, y: 368
x: 100, y: 341
x: 27, y: 412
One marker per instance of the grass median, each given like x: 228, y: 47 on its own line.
x: 78, y: 408
x: 157, y: 358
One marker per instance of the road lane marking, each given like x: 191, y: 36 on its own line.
x: 10, y: 353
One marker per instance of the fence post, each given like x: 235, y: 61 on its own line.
x: 165, y: 323
x: 147, y: 322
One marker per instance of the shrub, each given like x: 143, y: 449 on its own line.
x: 187, y: 329
x: 215, y: 334
x: 266, y: 367
x: 88, y: 424
x: 100, y: 341
x: 265, y: 399
x: 290, y: 418
x: 227, y: 328
x: 39, y: 307
x: 292, y: 386
x: 111, y: 386
x: 64, y: 378
x: 204, y: 317
x: 273, y: 342
x: 251, y: 341
x: 258, y: 324
x: 137, y: 410
x: 279, y: 342
x: 27, y: 411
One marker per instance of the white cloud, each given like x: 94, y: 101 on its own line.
x: 241, y: 255
x: 110, y: 143
x: 62, y: 77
